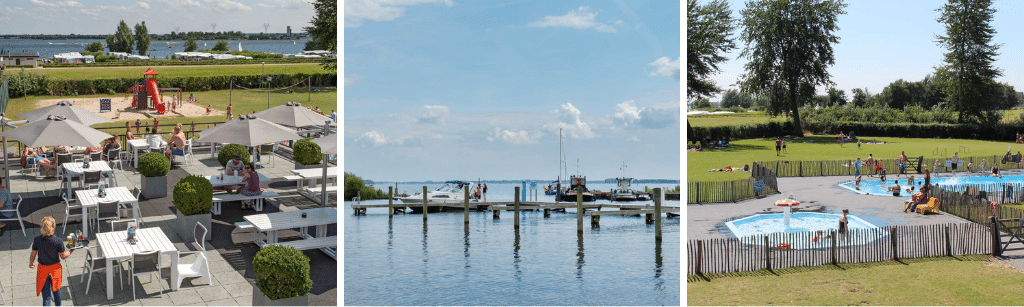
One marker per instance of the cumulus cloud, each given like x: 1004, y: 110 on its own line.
x: 569, y: 120
x: 229, y: 5
x: 142, y: 5
x: 633, y: 139
x: 377, y: 139
x: 515, y: 137
x: 433, y: 114
x: 664, y: 66
x: 629, y: 115
x: 581, y: 18
x: 353, y: 78
x: 57, y: 3
x: 358, y: 10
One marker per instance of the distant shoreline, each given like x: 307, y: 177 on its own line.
x: 635, y: 181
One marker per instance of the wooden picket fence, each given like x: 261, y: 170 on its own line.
x: 787, y: 250
x: 699, y: 192
x: 846, y: 167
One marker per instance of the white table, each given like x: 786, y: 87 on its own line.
x: 115, y: 247
x: 90, y: 199
x: 232, y: 180
x: 312, y: 174
x: 140, y: 144
x: 78, y: 169
x: 270, y: 223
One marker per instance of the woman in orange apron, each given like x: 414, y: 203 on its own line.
x: 50, y: 250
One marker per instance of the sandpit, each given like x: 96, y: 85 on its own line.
x: 128, y: 113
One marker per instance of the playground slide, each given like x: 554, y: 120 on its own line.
x: 151, y: 88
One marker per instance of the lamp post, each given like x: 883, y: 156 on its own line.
x: 268, y: 84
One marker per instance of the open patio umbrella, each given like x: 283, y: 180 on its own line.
x: 292, y: 114
x: 248, y: 130
x: 328, y: 146
x: 56, y: 130
x: 66, y: 109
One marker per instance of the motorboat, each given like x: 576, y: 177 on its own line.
x: 450, y: 192
x: 623, y: 192
x: 570, y: 193
x: 552, y: 188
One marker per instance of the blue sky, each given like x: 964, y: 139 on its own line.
x: 883, y: 41
x: 440, y: 90
x: 161, y: 16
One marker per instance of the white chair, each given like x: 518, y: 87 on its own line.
x: 114, y: 156
x: 147, y: 263
x: 199, y: 268
x: 93, y: 265
x: 126, y: 209
x: 69, y: 210
x: 17, y: 215
x: 187, y: 153
x: 267, y: 151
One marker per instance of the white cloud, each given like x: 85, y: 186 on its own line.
x: 358, y: 10
x: 520, y: 137
x: 92, y: 12
x: 666, y: 67
x: 633, y: 139
x: 229, y: 5
x: 261, y: 4
x: 578, y: 19
x: 143, y: 5
x: 629, y: 115
x: 569, y: 120
x: 58, y: 3
x: 353, y: 78
x: 73, y: 4
x: 433, y: 114
x: 377, y: 139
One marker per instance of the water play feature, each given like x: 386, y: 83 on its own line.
x: 800, y: 222
x: 874, y: 187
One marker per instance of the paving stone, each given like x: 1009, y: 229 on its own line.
x: 229, y: 278
x: 184, y: 296
x: 239, y: 290
x: 155, y: 301
x: 213, y: 293
x: 227, y: 302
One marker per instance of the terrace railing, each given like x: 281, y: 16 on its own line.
x: 782, y: 250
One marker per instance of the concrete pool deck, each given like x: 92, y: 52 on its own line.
x: 707, y: 221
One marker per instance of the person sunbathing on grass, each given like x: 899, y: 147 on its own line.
x: 726, y: 169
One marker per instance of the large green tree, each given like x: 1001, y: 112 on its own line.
x: 324, y: 30
x: 94, y: 47
x: 220, y: 46
x: 708, y: 31
x: 123, y: 40
x: 968, y: 72
x: 142, y: 38
x: 789, y: 44
x: 191, y: 45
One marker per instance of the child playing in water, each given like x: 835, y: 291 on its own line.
x: 820, y: 235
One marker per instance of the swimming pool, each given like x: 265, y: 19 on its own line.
x: 801, y: 222
x: 874, y: 186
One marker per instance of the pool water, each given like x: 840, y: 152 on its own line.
x: 801, y: 222
x: 874, y: 186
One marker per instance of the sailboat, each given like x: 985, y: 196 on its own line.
x: 169, y: 45
x: 555, y: 187
x: 239, y: 46
x: 575, y: 181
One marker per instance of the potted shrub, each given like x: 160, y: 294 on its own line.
x: 193, y: 198
x: 154, y: 167
x: 229, y: 151
x: 307, y: 154
x: 282, y: 277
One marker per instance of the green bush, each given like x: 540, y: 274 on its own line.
x: 41, y: 84
x: 282, y: 272
x: 154, y: 164
x: 306, y: 152
x: 229, y: 151
x: 193, y: 195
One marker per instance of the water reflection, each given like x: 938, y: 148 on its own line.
x: 465, y: 244
x: 659, y: 282
x: 579, y: 255
x: 515, y: 257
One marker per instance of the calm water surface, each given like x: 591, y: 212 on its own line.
x: 405, y: 261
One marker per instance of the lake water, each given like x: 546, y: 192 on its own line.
x: 404, y: 261
x: 159, y: 50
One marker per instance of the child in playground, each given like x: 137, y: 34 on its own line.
x: 229, y: 111
x: 138, y: 124
x: 156, y: 122
x: 207, y: 109
x: 856, y: 184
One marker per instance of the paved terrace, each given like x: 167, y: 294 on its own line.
x: 229, y: 253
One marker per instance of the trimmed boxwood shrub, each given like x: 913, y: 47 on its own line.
x: 307, y: 153
x: 193, y: 195
x: 282, y: 272
x: 154, y: 165
x: 229, y: 151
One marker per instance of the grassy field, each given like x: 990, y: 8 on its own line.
x: 179, y: 71
x: 938, y: 281
x: 826, y: 148
x: 717, y: 120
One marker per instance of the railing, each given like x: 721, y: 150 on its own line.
x: 846, y: 167
x: 761, y: 182
x: 787, y: 250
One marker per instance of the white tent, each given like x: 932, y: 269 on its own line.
x: 697, y: 112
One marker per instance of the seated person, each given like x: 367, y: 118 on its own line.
x: 109, y: 144
x: 746, y: 167
x: 31, y: 156
x: 915, y: 200
x: 250, y: 184
x: 62, y: 149
x: 91, y: 150
x: 128, y: 135
x: 234, y: 166
x: 47, y: 165
x: 894, y: 188
x: 995, y: 171
x: 176, y: 147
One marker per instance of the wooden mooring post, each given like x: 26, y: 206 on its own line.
x: 465, y: 206
x: 424, y: 203
x: 517, y: 210
x: 657, y: 214
x: 391, y: 199
x: 579, y: 209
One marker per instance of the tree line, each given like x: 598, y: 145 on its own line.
x: 788, y: 45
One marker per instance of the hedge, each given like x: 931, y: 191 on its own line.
x: 997, y: 132
x: 40, y: 84
x: 171, y: 62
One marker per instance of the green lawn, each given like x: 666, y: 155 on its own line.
x: 717, y: 120
x: 938, y: 281
x: 180, y: 71
x: 826, y: 148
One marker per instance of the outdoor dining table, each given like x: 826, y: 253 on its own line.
x: 310, y: 175
x: 229, y: 180
x: 115, y: 247
x: 78, y: 169
x: 140, y: 144
x: 271, y: 223
x: 91, y: 199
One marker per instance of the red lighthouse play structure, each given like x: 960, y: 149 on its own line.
x: 146, y: 90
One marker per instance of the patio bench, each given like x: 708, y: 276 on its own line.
x: 314, y: 192
x: 297, y: 179
x: 310, y: 243
x: 218, y: 199
x: 246, y: 226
